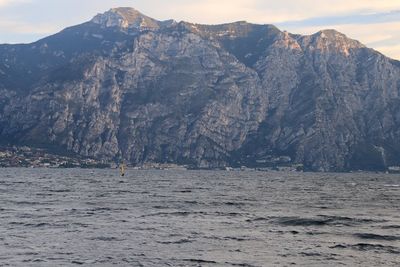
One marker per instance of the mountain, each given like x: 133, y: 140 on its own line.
x: 126, y: 86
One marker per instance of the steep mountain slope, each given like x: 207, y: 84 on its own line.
x: 332, y: 104
x: 127, y: 86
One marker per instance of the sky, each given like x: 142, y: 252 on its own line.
x: 375, y: 23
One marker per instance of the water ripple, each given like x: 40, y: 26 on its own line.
x: 51, y: 217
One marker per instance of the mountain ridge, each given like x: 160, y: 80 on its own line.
x: 126, y: 86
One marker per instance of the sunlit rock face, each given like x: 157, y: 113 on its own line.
x: 124, y: 85
x: 125, y: 18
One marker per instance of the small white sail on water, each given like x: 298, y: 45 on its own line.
x: 122, y: 169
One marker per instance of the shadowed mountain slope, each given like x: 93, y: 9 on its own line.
x: 124, y: 85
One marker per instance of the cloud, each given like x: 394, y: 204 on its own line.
x: 304, y: 9
x: 4, y: 2
x: 393, y: 51
x: 12, y: 2
x: 23, y: 28
x: 356, y: 18
x: 20, y: 32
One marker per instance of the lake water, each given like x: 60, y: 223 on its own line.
x: 52, y: 217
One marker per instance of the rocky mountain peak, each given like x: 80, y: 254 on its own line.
x: 330, y: 33
x: 125, y: 17
x: 331, y: 41
x: 126, y: 86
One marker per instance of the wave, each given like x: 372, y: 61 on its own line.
x: 369, y: 247
x: 323, y: 220
x: 391, y: 227
x: 106, y: 238
x: 180, y: 241
x: 175, y: 213
x: 240, y: 264
x: 199, y: 261
x: 229, y: 203
x: 240, y: 239
x: 77, y: 262
x: 391, y: 185
x: 60, y: 190
x: 183, y: 191
x: 296, y: 221
x: 377, y: 237
x: 35, y: 225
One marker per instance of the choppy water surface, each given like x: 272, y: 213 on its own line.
x: 198, y: 218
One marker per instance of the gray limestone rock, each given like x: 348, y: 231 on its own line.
x: 125, y: 86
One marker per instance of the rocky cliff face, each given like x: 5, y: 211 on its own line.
x: 331, y: 103
x: 127, y: 86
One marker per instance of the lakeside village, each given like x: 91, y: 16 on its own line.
x: 40, y: 158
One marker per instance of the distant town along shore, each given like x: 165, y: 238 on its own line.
x: 41, y: 158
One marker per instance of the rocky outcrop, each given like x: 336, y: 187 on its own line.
x: 127, y: 86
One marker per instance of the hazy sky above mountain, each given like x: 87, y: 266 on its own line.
x: 376, y: 23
